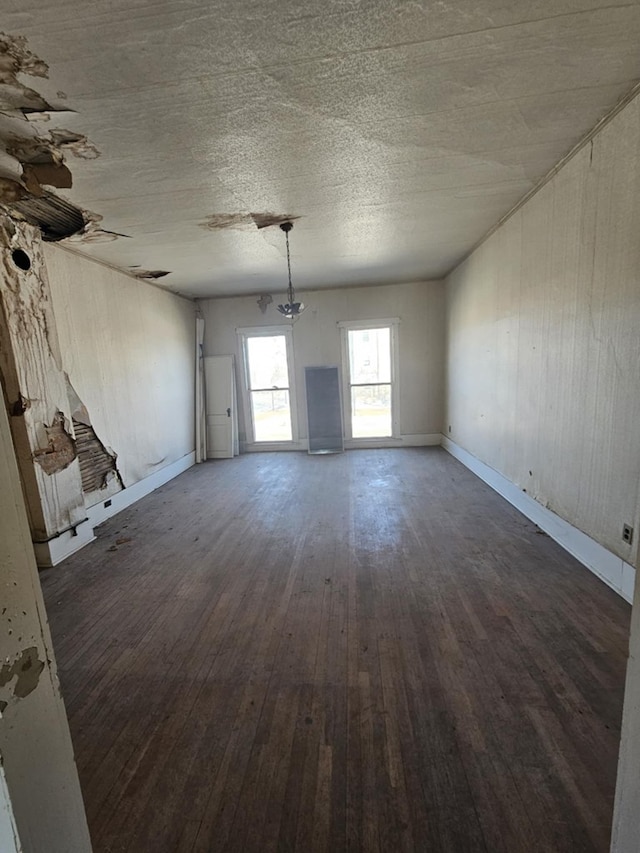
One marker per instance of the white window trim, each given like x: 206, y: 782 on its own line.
x: 345, y: 327
x: 244, y: 332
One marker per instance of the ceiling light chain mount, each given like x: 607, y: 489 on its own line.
x: 291, y: 309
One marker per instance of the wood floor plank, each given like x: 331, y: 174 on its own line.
x: 362, y: 652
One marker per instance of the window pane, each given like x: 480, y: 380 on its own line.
x: 369, y: 355
x: 271, y: 415
x: 371, y: 411
x: 268, y: 362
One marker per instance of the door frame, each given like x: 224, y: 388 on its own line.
x: 345, y: 327
x: 232, y: 411
x: 243, y: 333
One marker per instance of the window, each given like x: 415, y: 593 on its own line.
x: 368, y: 354
x: 266, y: 356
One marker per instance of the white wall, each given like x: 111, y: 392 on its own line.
x: 544, y: 341
x: 316, y: 337
x: 35, y: 747
x: 128, y: 348
x: 626, y: 818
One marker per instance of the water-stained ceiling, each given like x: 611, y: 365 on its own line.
x: 396, y: 131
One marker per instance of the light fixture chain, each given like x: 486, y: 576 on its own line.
x: 290, y: 294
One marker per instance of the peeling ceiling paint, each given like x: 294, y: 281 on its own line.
x: 398, y: 131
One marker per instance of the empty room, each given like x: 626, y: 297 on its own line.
x: 319, y: 436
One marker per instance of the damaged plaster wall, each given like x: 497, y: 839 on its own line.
x: 127, y: 348
x: 98, y: 465
x: 35, y: 747
x: 34, y: 385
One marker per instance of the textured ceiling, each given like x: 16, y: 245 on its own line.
x: 398, y: 131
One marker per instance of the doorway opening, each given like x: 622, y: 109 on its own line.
x: 267, y: 384
x: 368, y: 358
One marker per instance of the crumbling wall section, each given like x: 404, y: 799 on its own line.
x: 35, y: 386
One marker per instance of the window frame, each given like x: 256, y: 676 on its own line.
x: 345, y: 327
x: 244, y: 333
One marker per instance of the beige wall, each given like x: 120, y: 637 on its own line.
x: 128, y: 348
x: 316, y: 336
x: 544, y: 341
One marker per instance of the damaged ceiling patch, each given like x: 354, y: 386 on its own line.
x: 55, y: 217
x: 76, y: 143
x: 242, y: 221
x: 16, y: 58
x: 220, y: 221
x: 92, y: 231
x: 264, y: 220
x: 42, y: 156
x: 149, y: 274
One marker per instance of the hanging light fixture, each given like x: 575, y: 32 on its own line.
x: 291, y: 309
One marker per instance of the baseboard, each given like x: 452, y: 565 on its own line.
x: 56, y: 550
x: 423, y: 440
x: 275, y: 447
x: 99, y: 513
x: 613, y: 570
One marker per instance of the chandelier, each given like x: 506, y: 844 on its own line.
x: 291, y: 309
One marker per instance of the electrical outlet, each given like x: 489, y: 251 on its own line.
x: 627, y: 533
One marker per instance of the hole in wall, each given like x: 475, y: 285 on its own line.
x: 21, y: 259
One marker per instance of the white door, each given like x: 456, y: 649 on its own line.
x: 221, y: 406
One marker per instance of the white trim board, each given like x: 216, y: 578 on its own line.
x: 51, y: 553
x: 121, y: 500
x: 612, y: 570
x: 426, y: 440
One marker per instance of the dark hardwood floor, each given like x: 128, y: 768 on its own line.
x: 364, y: 652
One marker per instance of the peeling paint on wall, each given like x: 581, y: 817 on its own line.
x: 20, y: 406
x: 26, y: 669
x: 34, y: 385
x: 61, y: 447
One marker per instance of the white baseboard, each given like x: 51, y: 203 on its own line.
x: 273, y: 447
x: 613, y: 570
x: 56, y: 550
x: 121, y: 500
x: 426, y: 440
